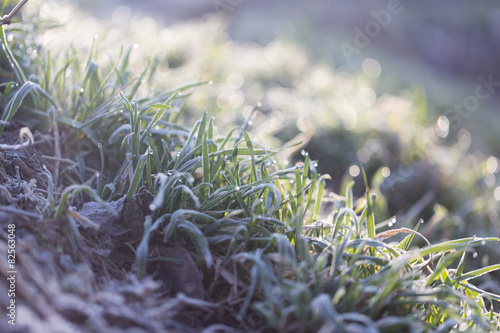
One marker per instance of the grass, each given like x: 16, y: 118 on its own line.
x: 268, y: 245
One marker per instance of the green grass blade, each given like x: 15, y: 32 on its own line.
x: 136, y: 180
x: 477, y: 273
x: 18, y: 71
x: 456, y: 244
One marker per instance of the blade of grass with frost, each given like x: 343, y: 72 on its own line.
x: 102, y: 86
x: 319, y: 196
x: 406, y: 242
x: 156, y: 156
x: 123, y: 72
x: 373, y: 244
x: 349, y: 203
x: 46, y: 71
x: 476, y: 273
x: 305, y: 172
x: 18, y: 71
x: 187, y: 148
x: 210, y: 135
x: 50, y: 189
x: 247, y: 121
x: 298, y: 187
x: 131, y: 111
x: 259, y: 188
x: 135, y: 123
x: 149, y: 181
x: 186, y: 190
x: 142, y: 252
x: 455, y: 245
x: 370, y: 218
x: 161, y: 111
x: 101, y: 153
x: 138, y: 83
x: 194, y: 232
x: 310, y: 191
x: 240, y: 151
x: 136, y: 180
x: 443, y: 264
x: 160, y: 189
x: 71, y: 192
x: 201, y: 130
x: 71, y: 123
x: 8, y: 88
x: 252, y: 154
x: 205, y: 162
x: 321, y: 305
x: 15, y: 103
x: 482, y: 292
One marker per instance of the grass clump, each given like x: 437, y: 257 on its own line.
x: 239, y: 239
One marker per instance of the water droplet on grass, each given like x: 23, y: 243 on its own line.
x: 152, y: 207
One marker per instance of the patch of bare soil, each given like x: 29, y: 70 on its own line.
x: 62, y: 282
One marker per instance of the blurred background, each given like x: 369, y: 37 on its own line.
x: 407, y: 89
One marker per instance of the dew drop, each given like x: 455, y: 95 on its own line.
x: 483, y: 242
x: 152, y: 207
x: 82, y: 90
x: 474, y: 255
x: 237, y: 188
x: 210, y: 83
x: 292, y: 181
x: 259, y: 104
x: 303, y: 152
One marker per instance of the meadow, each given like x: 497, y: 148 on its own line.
x: 174, y: 180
